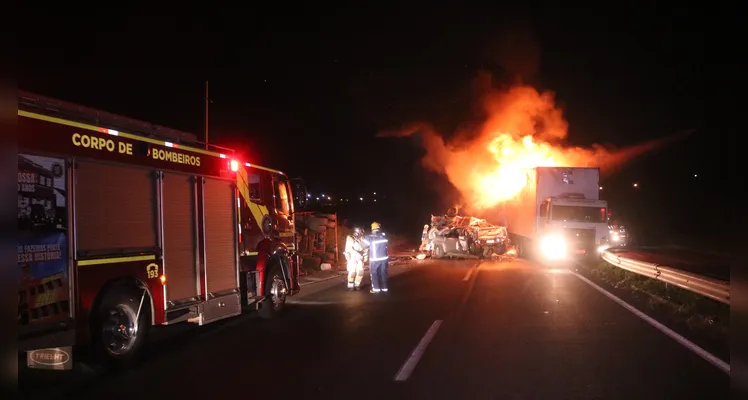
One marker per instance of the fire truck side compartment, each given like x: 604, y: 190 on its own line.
x: 115, y: 207
x: 180, y: 247
x: 221, y: 232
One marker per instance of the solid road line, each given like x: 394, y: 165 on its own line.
x: 709, y: 357
x: 467, y: 276
x: 410, y: 364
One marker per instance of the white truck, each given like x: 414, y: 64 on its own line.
x: 559, y: 214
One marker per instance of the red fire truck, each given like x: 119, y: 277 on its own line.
x: 125, y: 225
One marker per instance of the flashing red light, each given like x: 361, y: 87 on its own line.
x: 234, y: 165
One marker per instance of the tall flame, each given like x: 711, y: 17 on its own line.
x: 524, y: 129
x: 514, y: 160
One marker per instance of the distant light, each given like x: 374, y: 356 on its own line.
x: 317, y: 198
x: 695, y: 175
x: 375, y: 193
x: 636, y: 185
x: 361, y: 198
x: 328, y: 197
x: 308, y: 195
x: 323, y: 195
x: 375, y: 200
x: 601, y: 188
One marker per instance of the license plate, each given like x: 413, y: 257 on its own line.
x: 59, y: 358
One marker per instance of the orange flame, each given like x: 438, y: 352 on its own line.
x: 524, y: 129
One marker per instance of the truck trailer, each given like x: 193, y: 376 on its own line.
x: 559, y: 214
x: 125, y: 226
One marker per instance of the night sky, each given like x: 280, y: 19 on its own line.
x: 307, y: 93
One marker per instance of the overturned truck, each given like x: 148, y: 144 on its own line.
x: 463, y: 237
x: 318, y: 238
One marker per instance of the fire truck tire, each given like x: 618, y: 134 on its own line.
x: 272, y: 305
x: 118, y: 331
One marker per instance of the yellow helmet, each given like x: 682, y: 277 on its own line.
x: 375, y: 226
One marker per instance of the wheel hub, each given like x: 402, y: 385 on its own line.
x: 120, y: 330
x: 278, y: 291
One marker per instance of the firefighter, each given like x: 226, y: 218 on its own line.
x: 378, y: 258
x: 424, y: 238
x: 354, y: 255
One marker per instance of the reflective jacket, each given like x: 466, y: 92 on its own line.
x: 378, y: 246
x: 353, y: 247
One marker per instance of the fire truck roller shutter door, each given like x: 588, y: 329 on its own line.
x: 179, y: 236
x: 220, y: 231
x: 115, y: 207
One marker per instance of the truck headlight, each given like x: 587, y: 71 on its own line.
x: 553, y: 247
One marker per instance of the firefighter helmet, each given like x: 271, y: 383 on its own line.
x: 375, y: 226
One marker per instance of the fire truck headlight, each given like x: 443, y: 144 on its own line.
x: 553, y: 247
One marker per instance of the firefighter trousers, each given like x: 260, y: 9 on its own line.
x: 355, y: 267
x: 379, y: 272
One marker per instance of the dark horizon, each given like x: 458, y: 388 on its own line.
x: 311, y: 103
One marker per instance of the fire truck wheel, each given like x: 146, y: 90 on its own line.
x: 272, y: 305
x: 120, y: 326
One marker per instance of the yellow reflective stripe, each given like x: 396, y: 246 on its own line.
x: 119, y: 133
x: 241, y: 183
x: 115, y: 260
x: 129, y: 136
x: 252, y: 253
x: 265, y: 168
x: 257, y: 213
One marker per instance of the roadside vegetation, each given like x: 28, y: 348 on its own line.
x: 698, y: 312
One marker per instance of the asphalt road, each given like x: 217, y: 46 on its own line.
x: 497, y: 330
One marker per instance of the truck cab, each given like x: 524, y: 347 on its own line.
x: 572, y: 225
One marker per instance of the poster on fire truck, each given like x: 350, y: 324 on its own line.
x: 42, y: 239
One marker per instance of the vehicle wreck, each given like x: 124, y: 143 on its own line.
x: 455, y: 236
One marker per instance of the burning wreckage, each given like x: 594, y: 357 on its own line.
x: 452, y: 235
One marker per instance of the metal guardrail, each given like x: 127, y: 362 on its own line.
x: 714, y: 289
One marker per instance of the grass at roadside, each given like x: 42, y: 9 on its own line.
x: 696, y: 311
